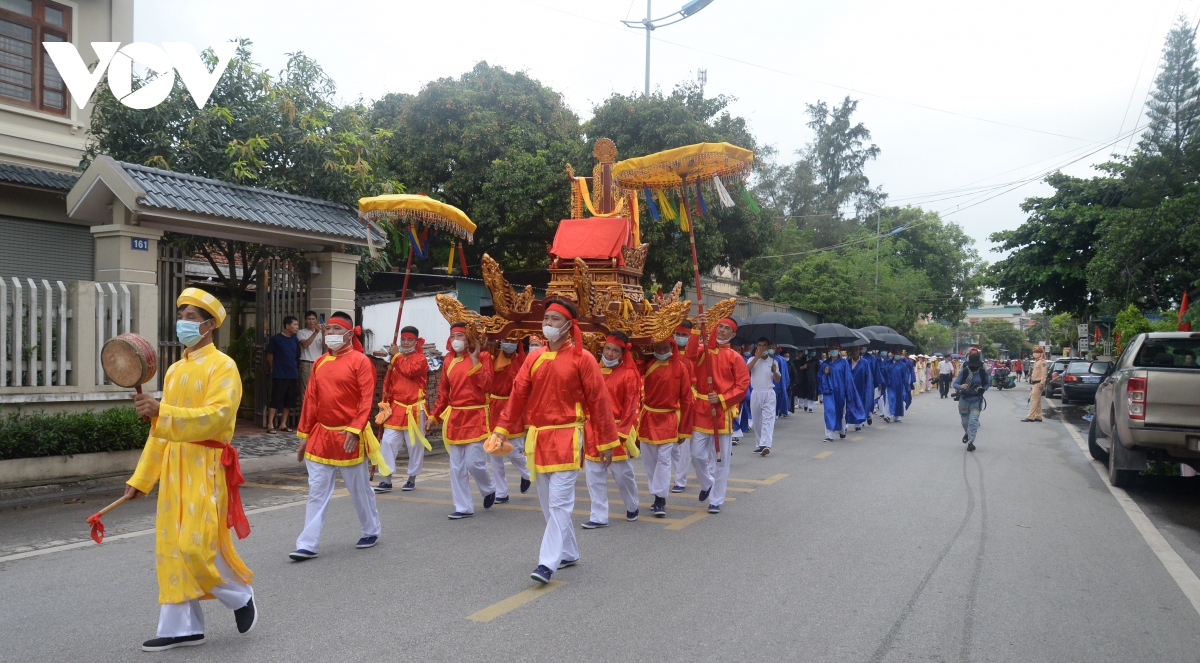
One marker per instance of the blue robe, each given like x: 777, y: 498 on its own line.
x: 869, y: 399
x: 912, y: 380
x: 839, y: 391
x: 781, y: 388
x: 856, y: 407
x: 896, y: 378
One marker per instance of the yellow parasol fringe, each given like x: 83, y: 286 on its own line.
x: 410, y: 208
x: 667, y: 169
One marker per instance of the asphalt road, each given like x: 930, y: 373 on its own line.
x: 892, y: 545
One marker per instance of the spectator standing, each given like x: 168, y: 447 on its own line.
x: 312, y: 346
x: 1018, y: 368
x: 945, y: 375
x: 283, y: 358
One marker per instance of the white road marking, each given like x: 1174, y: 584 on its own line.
x: 1180, y: 572
x: 126, y: 535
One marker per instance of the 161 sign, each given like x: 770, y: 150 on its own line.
x: 117, y: 60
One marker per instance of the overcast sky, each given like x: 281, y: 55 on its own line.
x: 956, y: 94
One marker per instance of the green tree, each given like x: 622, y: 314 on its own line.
x: 933, y: 337
x: 284, y: 133
x: 991, y: 330
x: 495, y: 144
x: 940, y: 250
x: 1172, y: 108
x: 838, y: 156
x: 642, y: 125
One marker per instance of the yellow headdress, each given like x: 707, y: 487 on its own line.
x: 202, y: 300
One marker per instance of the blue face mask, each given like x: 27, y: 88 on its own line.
x: 770, y: 353
x: 611, y: 363
x: 188, y: 332
x: 663, y: 357
x: 681, y: 341
x: 508, y: 348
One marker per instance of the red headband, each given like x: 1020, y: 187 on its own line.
x: 616, y: 340
x: 561, y: 309
x: 458, y: 325
x: 728, y: 321
x: 344, y: 324
x: 408, y: 335
x: 683, y: 330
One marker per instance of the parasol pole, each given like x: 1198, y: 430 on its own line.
x: 403, y: 292
x: 704, y: 332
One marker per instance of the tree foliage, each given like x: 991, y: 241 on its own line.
x: 932, y: 337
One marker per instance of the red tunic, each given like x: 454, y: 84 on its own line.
x: 504, y: 372
x: 666, y: 414
x: 462, y: 399
x: 731, y: 380
x: 557, y: 392
x: 404, y: 386
x: 341, y: 391
x: 624, y: 391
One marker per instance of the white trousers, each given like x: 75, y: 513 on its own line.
x: 320, y: 489
x: 389, y: 446
x: 720, y: 471
x: 187, y: 618
x: 516, y: 457
x: 762, y: 410
x: 681, y: 459
x: 657, y: 459
x: 597, y: 483
x: 469, y: 460
x: 556, y: 492
x: 702, y: 461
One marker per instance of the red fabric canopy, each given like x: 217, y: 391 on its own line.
x: 595, y: 238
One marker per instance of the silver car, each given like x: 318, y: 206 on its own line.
x: 1148, y: 406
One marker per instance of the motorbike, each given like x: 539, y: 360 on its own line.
x: 1003, y: 379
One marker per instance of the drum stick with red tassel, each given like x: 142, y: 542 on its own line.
x: 98, y: 526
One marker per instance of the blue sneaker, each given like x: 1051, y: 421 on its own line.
x: 714, y: 508
x: 383, y: 487
x: 567, y: 563
x: 591, y: 524
x: 525, y: 484
x: 367, y: 542
x: 411, y: 484
x: 631, y: 515
x: 489, y: 500
x: 459, y: 515
x: 501, y: 500
x: 704, y: 494
x: 658, y: 511
x: 541, y: 574
x: 301, y: 554
x: 678, y: 489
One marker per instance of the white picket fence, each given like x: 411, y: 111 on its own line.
x: 37, y: 323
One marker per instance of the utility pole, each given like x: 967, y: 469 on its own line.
x: 702, y: 78
x: 876, y: 250
x: 650, y: 24
x: 649, y: 28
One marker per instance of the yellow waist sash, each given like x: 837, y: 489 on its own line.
x: 368, y: 439
x: 414, y: 428
x: 531, y: 435
x: 633, y: 432
x: 445, y: 416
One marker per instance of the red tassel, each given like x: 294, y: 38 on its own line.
x: 97, y: 528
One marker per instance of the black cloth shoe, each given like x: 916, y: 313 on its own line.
x: 766, y: 452
x: 502, y: 500
x: 246, y: 616
x: 411, y: 484
x: 758, y: 449
x: 970, y: 446
x: 964, y: 439
x: 489, y: 500
x: 163, y: 644
x: 704, y: 494
x: 525, y: 484
x: 677, y: 488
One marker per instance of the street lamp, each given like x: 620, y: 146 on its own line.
x: 651, y: 24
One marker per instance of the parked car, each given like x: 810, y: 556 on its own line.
x: 1148, y: 406
x: 1080, y: 380
x: 1054, y: 385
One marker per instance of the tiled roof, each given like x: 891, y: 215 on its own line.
x: 170, y: 190
x: 39, y: 177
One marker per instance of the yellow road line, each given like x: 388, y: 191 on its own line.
x: 824, y: 454
x: 515, y: 601
x: 684, y: 522
x: 856, y: 438
x: 761, y: 482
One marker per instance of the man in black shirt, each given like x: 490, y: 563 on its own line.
x: 283, y: 358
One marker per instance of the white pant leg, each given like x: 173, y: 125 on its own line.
x: 762, y: 408
x: 597, y: 485
x: 721, y: 471
x: 657, y: 459
x: 477, y: 465
x: 497, y: 465
x: 622, y: 471
x: 556, y: 492
x: 517, y: 456
x: 389, y: 448
x: 357, y: 478
x: 460, y: 483
x: 681, y: 458
x: 416, y: 453
x: 320, y: 489
x: 187, y: 618
x: 702, y: 458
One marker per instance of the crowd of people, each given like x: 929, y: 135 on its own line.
x: 542, y: 407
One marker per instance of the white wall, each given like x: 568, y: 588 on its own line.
x: 420, y: 312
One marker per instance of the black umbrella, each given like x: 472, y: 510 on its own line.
x: 879, y: 329
x: 829, y: 334
x: 893, y: 340
x: 876, y: 343
x: 778, y: 328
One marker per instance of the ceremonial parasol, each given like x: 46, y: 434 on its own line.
x: 778, y: 328
x: 700, y: 165
x: 829, y: 334
x: 417, y: 209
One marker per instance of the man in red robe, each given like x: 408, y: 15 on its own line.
x: 686, y: 338
x: 557, y: 390
x: 721, y: 383
x: 665, y: 418
x: 623, y: 381
x: 462, y: 410
x: 404, y: 404
x: 336, y: 437
x: 505, y: 365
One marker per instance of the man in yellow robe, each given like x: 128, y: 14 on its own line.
x: 189, y: 456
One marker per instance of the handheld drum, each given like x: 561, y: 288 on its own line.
x: 128, y: 361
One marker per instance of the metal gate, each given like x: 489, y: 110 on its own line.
x: 171, y: 263
x: 281, y: 290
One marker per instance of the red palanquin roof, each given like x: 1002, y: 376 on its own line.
x: 595, y: 238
